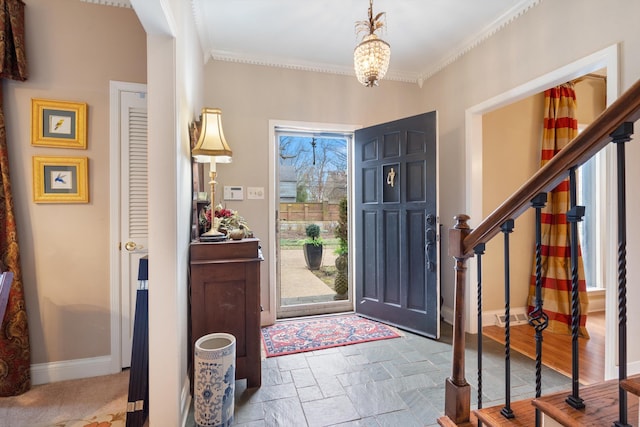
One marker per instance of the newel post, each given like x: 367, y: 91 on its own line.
x: 457, y: 402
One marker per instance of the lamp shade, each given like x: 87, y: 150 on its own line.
x: 371, y: 60
x: 211, y: 142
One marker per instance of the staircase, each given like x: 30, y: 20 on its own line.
x: 610, y: 403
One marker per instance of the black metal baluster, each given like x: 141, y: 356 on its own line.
x: 619, y: 137
x: 479, y: 251
x: 574, y: 215
x: 506, y: 412
x: 537, y: 317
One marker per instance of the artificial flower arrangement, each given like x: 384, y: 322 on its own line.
x: 224, y: 220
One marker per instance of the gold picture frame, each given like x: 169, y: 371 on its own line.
x: 60, y: 179
x: 60, y: 124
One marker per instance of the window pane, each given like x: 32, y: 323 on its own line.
x: 587, y: 190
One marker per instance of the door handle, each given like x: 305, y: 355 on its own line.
x: 431, y: 240
x: 132, y: 246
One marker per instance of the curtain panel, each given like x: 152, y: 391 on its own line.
x: 15, y: 352
x: 560, y: 127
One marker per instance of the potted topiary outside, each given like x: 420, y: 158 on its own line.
x: 341, y: 281
x: 313, y: 247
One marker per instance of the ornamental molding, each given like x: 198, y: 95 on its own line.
x: 116, y: 3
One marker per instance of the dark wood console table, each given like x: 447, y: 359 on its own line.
x: 225, y: 297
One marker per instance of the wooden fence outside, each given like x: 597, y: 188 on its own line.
x: 321, y: 211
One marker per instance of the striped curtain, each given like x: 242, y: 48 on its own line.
x: 560, y: 127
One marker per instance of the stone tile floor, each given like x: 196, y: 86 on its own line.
x: 395, y: 382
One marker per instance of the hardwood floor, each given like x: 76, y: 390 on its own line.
x: 556, y: 349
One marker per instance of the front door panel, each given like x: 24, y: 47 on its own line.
x: 396, y: 224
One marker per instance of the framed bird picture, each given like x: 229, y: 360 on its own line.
x: 58, y: 123
x: 60, y: 179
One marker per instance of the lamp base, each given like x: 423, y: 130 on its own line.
x: 213, y: 236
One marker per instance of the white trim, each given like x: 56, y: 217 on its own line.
x: 446, y: 314
x: 185, y: 401
x: 605, y: 58
x: 44, y: 373
x: 438, y: 231
x: 467, y: 45
x: 268, y: 316
x: 115, y: 89
x: 116, y: 3
x: 633, y: 368
x: 300, y: 65
x: 156, y: 17
x: 597, y: 300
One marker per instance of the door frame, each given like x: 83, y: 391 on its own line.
x: 269, y: 314
x: 115, y: 90
x: 605, y: 58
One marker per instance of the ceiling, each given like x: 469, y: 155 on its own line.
x: 319, y: 35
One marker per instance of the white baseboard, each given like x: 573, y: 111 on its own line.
x: 43, y: 373
x: 446, y: 313
x: 185, y: 401
x: 597, y: 300
x: 633, y: 368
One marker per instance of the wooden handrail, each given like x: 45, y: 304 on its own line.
x: 593, y: 139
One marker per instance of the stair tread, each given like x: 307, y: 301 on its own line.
x: 601, y: 406
x: 525, y: 415
x: 632, y: 384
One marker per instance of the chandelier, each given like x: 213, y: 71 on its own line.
x: 371, y: 56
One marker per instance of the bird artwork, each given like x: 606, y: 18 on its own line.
x: 59, y: 178
x: 58, y: 124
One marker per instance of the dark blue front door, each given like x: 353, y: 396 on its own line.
x: 396, y: 224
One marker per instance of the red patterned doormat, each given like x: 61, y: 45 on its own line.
x: 297, y: 336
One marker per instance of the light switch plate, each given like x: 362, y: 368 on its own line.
x: 233, y: 192
x: 255, y: 192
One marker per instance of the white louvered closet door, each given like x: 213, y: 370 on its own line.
x: 133, y: 207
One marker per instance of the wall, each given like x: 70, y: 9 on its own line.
x: 73, y: 50
x: 175, y: 82
x: 522, y: 51
x: 511, y: 148
x: 511, y: 138
x: 251, y: 95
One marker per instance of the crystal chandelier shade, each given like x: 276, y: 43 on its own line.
x: 371, y: 56
x: 371, y: 60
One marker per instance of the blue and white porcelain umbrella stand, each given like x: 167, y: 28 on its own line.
x: 214, y: 379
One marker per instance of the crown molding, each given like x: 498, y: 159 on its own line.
x: 279, y: 62
x: 116, y: 3
x: 507, y: 18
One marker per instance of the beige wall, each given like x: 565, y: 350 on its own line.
x: 251, y: 95
x: 591, y: 98
x: 519, y: 53
x: 511, y: 148
x: 174, y: 84
x: 511, y: 155
x: 73, y: 50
